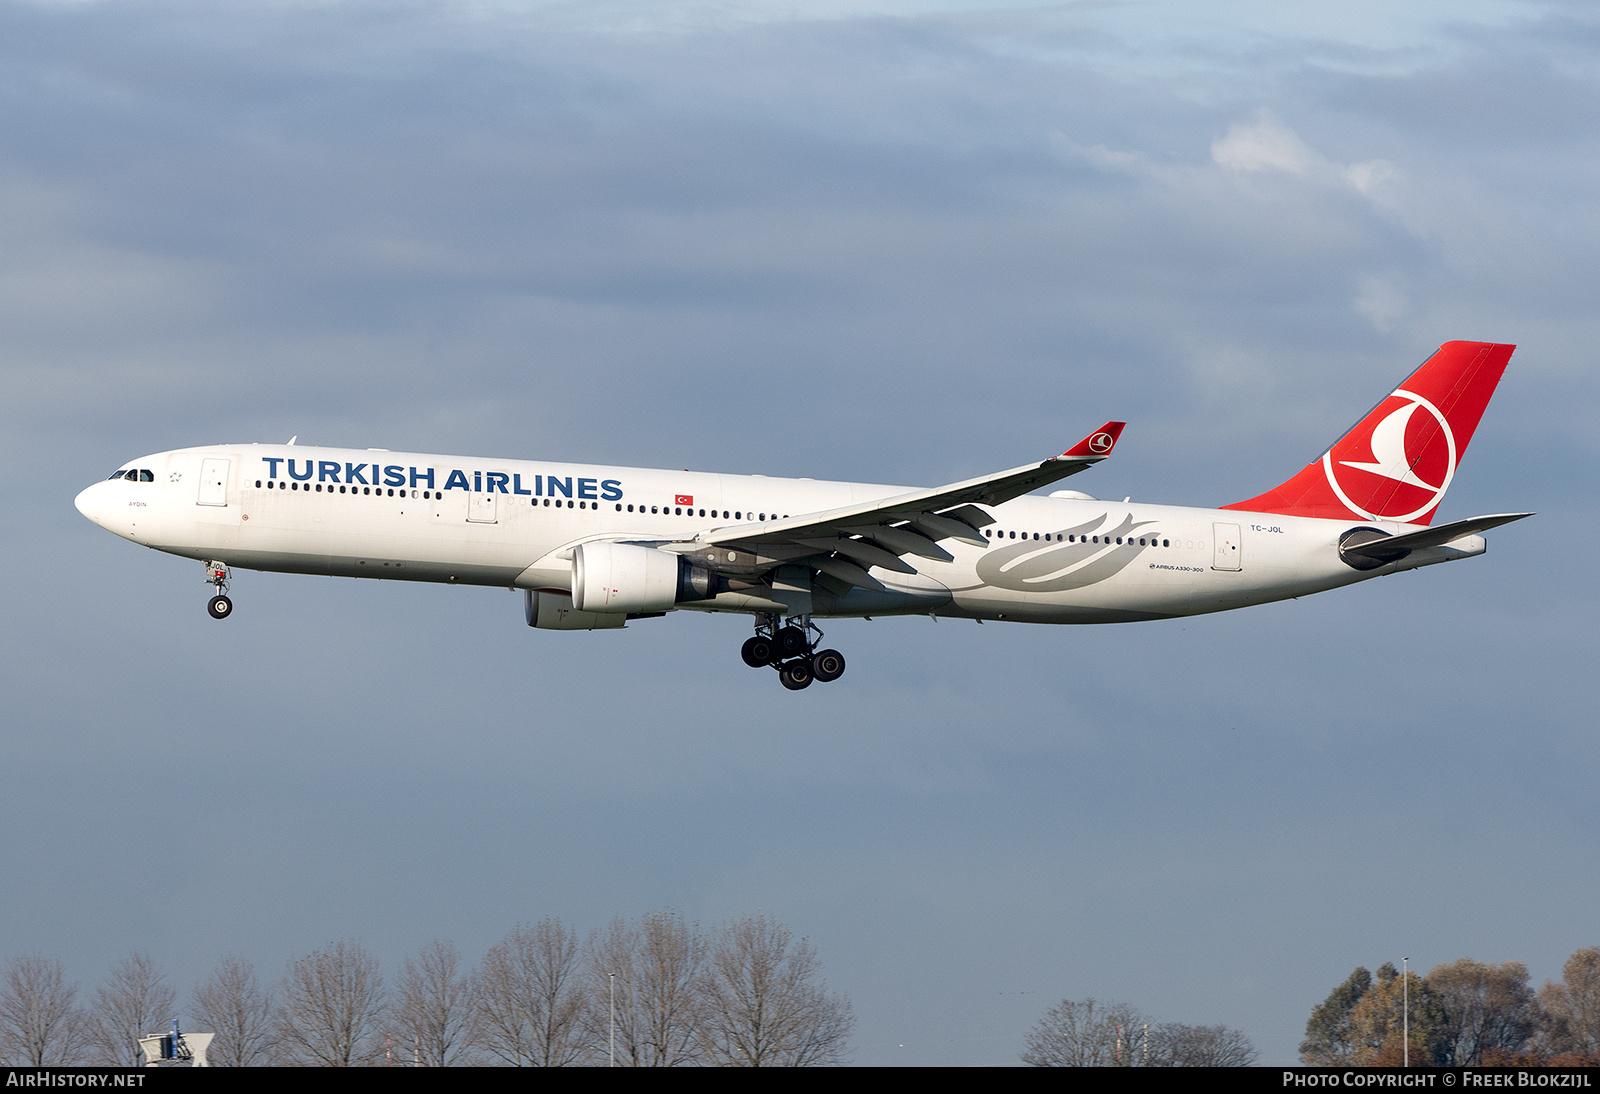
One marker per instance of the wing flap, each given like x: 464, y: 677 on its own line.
x: 903, y: 540
x: 862, y: 551
x: 945, y: 526
x: 848, y: 572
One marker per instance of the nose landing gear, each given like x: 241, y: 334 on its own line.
x: 219, y: 606
x: 791, y: 650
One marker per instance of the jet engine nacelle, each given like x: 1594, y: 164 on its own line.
x: 623, y: 578
x: 554, y: 612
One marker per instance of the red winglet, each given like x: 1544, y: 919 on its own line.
x: 1098, y: 443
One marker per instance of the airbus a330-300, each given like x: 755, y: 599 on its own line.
x: 594, y: 547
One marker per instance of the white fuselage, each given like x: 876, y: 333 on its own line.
x: 511, y: 523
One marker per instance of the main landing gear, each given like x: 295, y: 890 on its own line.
x: 219, y: 606
x: 791, y: 650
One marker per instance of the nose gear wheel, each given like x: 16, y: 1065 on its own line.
x: 219, y: 606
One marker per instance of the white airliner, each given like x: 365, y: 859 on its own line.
x: 593, y: 547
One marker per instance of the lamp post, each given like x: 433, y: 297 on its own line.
x: 1405, y: 1008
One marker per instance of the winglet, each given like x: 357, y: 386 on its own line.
x: 1097, y: 444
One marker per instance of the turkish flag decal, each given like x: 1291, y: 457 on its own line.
x: 683, y: 499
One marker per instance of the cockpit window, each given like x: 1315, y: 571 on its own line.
x: 117, y: 475
x: 146, y: 476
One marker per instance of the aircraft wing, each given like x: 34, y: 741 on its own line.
x: 849, y: 540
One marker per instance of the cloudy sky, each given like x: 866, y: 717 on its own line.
x: 903, y: 241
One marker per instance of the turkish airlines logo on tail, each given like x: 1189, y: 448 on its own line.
x: 1101, y: 442
x: 1401, y: 468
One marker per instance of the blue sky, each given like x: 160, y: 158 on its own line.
x: 902, y: 242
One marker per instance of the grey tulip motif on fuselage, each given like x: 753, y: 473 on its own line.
x: 1039, y: 567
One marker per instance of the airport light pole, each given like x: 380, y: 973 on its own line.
x: 1405, y: 1008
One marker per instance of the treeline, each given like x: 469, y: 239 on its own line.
x: 1085, y: 1033
x: 653, y: 992
x: 1465, y: 1013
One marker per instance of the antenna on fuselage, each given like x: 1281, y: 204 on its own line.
x: 296, y: 437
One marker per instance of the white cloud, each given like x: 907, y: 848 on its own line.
x: 1382, y: 301
x: 1267, y: 144
x: 1369, y: 177
x: 1263, y: 144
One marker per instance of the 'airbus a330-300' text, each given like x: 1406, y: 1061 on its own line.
x: 593, y: 547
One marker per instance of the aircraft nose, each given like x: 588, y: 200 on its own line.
x: 91, y: 503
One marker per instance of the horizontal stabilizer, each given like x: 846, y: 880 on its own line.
x: 1433, y: 537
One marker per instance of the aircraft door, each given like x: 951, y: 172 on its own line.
x: 213, y: 482
x: 1225, y: 547
x: 481, y: 509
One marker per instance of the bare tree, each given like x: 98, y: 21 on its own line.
x: 655, y: 968
x: 532, y: 999
x: 1087, y: 1034
x: 132, y: 1003
x: 1486, y: 1008
x: 434, y: 1015
x: 39, y: 1025
x: 1175, y: 1045
x: 237, y: 1010
x: 1572, y: 1007
x: 332, y: 1005
x: 765, y: 1004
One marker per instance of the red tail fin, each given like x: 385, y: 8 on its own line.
x: 1398, y: 461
